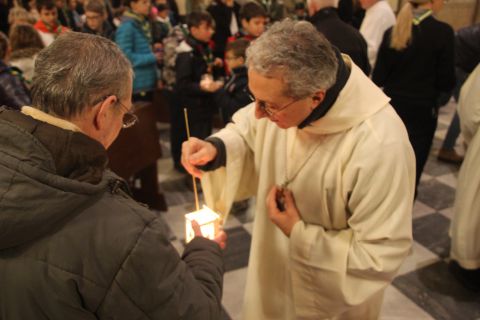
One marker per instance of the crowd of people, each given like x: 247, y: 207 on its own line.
x: 314, y: 100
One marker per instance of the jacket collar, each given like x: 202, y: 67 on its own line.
x: 323, y: 14
x: 358, y: 100
x: 75, y: 155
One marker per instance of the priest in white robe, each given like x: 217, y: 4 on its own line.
x: 465, y: 228
x: 333, y: 172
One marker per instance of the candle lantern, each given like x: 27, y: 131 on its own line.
x: 208, y: 220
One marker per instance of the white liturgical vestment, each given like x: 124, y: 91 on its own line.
x: 353, y: 176
x: 466, y: 219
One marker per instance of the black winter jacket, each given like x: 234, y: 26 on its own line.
x: 234, y: 94
x: 423, y: 70
x: 467, y: 48
x: 74, y: 245
x: 342, y: 35
x: 190, y: 65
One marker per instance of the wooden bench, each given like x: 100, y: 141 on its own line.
x: 134, y: 156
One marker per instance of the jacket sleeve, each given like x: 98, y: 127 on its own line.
x: 155, y: 283
x: 125, y: 38
x: 333, y: 270
x: 237, y: 180
x: 184, y: 75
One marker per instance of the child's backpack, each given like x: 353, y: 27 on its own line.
x: 170, y: 44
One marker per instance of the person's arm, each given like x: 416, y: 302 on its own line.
x: 382, y: 70
x: 124, y: 37
x: 153, y: 282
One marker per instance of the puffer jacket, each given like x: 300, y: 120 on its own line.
x: 74, y: 245
x: 135, y: 45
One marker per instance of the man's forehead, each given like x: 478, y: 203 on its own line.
x: 266, y: 88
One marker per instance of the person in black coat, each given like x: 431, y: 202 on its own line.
x: 234, y: 94
x: 324, y: 16
x: 227, y: 23
x: 194, y: 62
x: 415, y: 68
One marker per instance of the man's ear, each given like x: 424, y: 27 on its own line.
x: 101, y: 117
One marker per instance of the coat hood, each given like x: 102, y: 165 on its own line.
x: 363, y: 97
x: 35, y: 199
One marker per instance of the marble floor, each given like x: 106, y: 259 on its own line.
x: 423, y: 289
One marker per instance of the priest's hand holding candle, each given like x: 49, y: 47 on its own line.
x: 196, y: 152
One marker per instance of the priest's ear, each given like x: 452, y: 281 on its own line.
x: 317, y: 98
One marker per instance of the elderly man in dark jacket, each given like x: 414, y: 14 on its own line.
x: 73, y: 244
x: 324, y: 16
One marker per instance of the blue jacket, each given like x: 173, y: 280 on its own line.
x: 135, y: 45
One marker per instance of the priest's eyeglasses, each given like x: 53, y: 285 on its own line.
x: 267, y: 109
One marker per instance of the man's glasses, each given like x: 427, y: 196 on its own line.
x: 267, y: 109
x: 129, y: 118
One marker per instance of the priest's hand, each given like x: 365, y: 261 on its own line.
x: 196, y: 152
x: 285, y: 218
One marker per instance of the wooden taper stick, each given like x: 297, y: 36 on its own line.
x: 197, y: 206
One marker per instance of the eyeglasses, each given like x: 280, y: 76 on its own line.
x: 129, y: 118
x: 268, y: 110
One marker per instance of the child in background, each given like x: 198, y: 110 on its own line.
x: 96, y: 20
x: 25, y: 44
x: 194, y: 62
x: 134, y: 37
x: 234, y: 95
x: 161, y: 25
x: 253, y: 19
x: 48, y: 26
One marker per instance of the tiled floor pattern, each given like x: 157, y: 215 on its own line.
x: 423, y: 289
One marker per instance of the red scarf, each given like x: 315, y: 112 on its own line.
x: 57, y: 29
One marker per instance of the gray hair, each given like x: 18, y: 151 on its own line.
x: 76, y: 71
x: 297, y: 52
